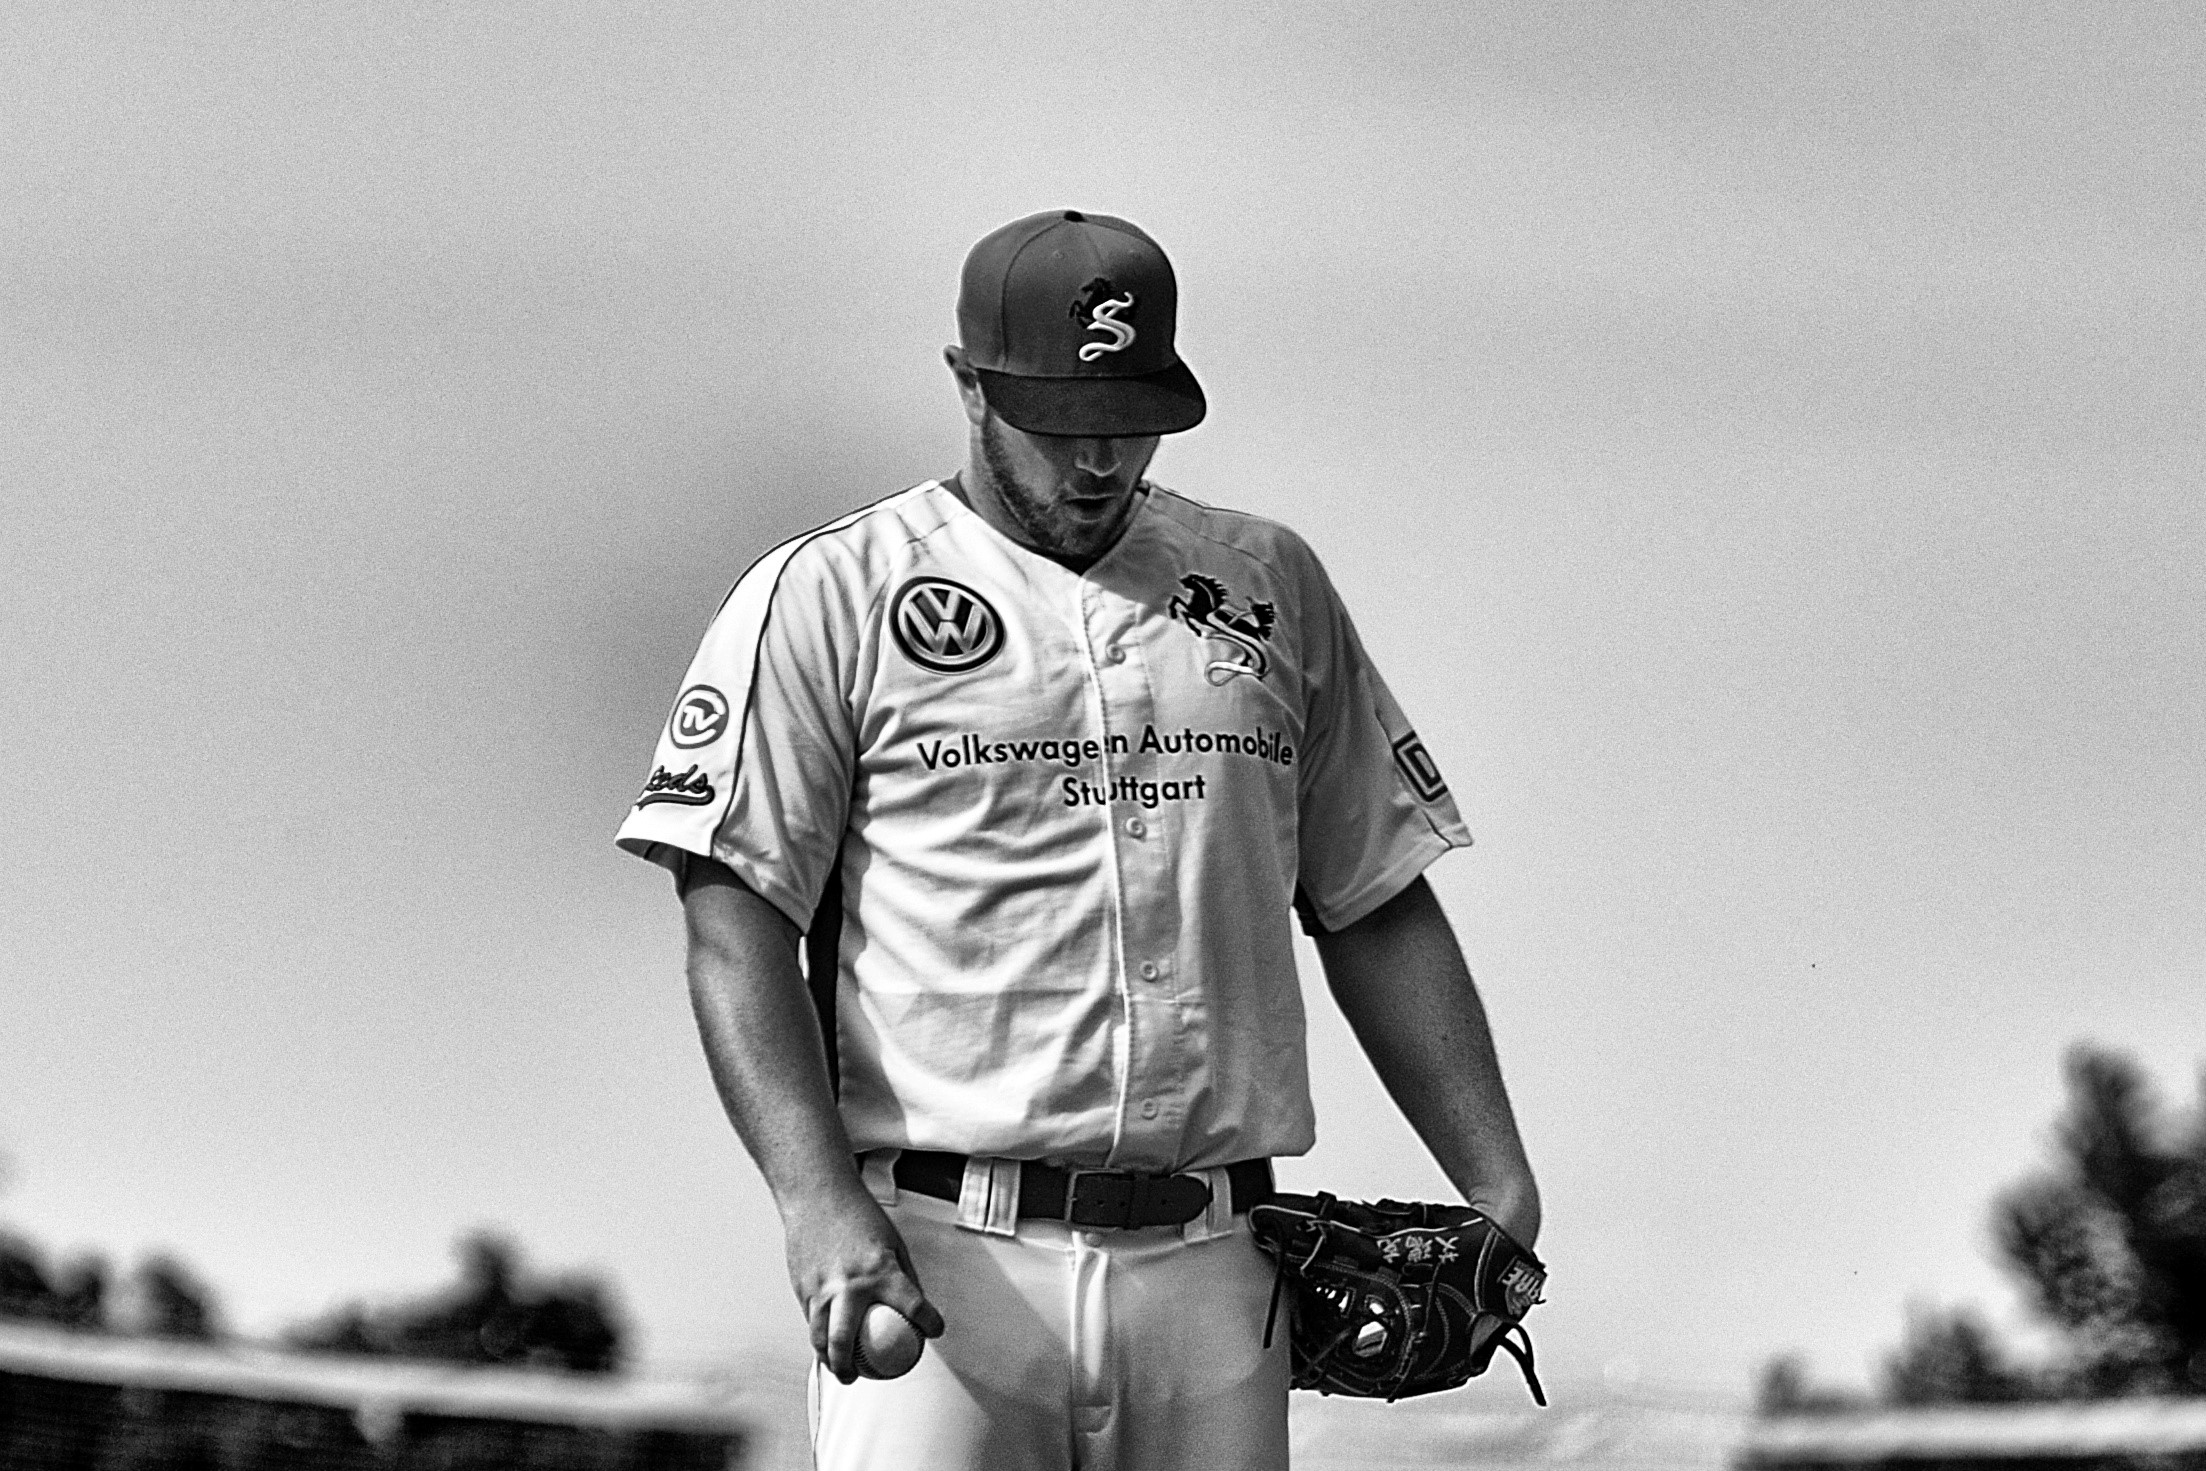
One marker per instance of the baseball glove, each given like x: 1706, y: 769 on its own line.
x: 1393, y: 1299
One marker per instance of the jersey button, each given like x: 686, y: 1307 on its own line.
x: 1148, y: 970
x: 1135, y: 827
x: 1115, y: 654
x: 1148, y: 1108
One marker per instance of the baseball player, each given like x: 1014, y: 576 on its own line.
x: 988, y: 803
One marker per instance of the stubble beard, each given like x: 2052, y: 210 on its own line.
x: 1044, y: 525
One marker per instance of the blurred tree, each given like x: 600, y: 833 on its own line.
x: 172, y: 1302
x: 493, y: 1315
x: 1784, y: 1389
x: 80, y: 1294
x: 2112, y: 1240
x: 75, y: 1297
x: 24, y: 1290
x: 1951, y: 1358
x: 2110, y: 1243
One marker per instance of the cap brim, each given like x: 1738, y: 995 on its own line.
x: 1163, y: 402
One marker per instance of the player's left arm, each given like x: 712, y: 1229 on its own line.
x: 1400, y: 979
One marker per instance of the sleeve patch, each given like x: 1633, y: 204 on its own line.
x: 1419, y: 769
x: 691, y: 788
x: 700, y: 717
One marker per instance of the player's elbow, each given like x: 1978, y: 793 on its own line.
x: 1514, y: 1204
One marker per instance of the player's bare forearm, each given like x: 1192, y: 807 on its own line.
x: 762, y: 1042
x: 1400, y: 979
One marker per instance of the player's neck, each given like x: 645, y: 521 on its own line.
x: 985, y: 499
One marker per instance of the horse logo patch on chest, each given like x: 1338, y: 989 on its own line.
x: 1239, y: 633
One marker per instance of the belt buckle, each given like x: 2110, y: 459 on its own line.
x: 1100, y: 1198
x: 1121, y: 1199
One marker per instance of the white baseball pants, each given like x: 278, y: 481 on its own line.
x: 1071, y: 1350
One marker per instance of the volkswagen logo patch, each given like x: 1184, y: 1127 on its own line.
x: 944, y: 626
x: 700, y: 717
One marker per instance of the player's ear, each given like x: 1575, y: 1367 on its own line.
x: 968, y: 383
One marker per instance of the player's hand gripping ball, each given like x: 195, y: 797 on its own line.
x: 888, y: 1345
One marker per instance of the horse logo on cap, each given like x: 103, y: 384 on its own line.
x: 1100, y: 302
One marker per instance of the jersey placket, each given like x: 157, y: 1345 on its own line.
x: 1144, y: 844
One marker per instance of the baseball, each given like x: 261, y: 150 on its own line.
x: 888, y: 1345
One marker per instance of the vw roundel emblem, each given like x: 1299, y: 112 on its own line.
x: 944, y: 626
x: 700, y: 717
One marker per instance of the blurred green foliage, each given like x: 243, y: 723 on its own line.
x: 495, y: 1314
x: 72, y: 1296
x: 2109, y: 1244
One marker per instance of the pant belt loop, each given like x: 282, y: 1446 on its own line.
x: 1217, y: 1217
x: 988, y: 1197
x: 879, y: 1174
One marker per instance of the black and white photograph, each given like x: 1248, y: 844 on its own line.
x: 1123, y: 738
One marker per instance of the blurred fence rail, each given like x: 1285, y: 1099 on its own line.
x: 2161, y: 1434
x: 1331, y: 1433
x: 85, y: 1402
x: 1585, y: 1433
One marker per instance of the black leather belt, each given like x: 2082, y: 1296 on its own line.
x: 1117, y: 1199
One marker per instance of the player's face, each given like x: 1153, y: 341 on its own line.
x: 1067, y: 498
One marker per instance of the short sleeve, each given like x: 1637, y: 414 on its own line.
x: 1375, y: 810
x: 754, y: 765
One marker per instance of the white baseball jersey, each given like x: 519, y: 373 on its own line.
x: 1059, y: 819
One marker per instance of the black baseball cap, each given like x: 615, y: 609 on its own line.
x: 1067, y: 317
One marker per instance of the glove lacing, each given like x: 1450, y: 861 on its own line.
x: 1523, y: 1356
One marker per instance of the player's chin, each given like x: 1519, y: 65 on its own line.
x: 1085, y: 541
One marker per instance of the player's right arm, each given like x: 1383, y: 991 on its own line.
x: 762, y: 1042
x: 747, y: 803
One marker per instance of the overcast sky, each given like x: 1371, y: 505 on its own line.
x: 1761, y: 444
